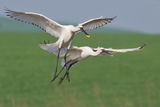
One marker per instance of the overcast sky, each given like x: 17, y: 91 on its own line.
x: 138, y: 15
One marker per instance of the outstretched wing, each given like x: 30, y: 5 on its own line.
x: 110, y: 50
x: 95, y: 23
x: 38, y: 20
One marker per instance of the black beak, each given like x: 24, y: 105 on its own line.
x: 109, y: 53
x: 84, y: 31
x: 87, y: 35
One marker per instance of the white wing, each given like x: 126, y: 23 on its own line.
x: 110, y: 50
x: 38, y: 20
x: 95, y: 23
x: 74, y: 53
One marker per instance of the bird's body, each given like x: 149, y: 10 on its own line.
x: 81, y: 53
x: 67, y: 35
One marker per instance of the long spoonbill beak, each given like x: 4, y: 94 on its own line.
x: 87, y: 35
x: 110, y: 54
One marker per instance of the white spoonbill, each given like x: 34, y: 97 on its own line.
x: 76, y: 54
x: 64, y: 33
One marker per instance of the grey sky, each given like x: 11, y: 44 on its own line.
x: 138, y: 15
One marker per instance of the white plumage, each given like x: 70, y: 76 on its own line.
x: 64, y: 33
x: 76, y: 54
x: 80, y: 53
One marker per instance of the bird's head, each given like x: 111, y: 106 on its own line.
x: 104, y: 52
x: 99, y: 49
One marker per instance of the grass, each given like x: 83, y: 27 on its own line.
x: 125, y: 80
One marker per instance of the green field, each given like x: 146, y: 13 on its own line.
x: 125, y: 80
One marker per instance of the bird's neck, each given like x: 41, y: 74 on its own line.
x: 73, y: 29
x: 96, y: 53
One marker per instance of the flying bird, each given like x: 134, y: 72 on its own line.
x: 76, y: 54
x: 64, y: 33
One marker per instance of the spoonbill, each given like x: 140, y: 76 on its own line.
x: 76, y: 54
x: 64, y: 33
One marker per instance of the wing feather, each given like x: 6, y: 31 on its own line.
x: 74, y: 53
x: 110, y: 50
x: 39, y: 20
x: 95, y: 23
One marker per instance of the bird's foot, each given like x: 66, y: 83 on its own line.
x: 142, y: 46
x: 61, y: 80
x: 54, y: 78
x: 46, y: 42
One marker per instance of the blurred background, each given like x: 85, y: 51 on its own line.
x: 137, y: 15
x: 125, y: 80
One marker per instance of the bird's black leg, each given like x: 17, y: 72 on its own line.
x: 65, y: 57
x: 60, y: 71
x: 68, y: 78
x: 56, y: 65
x: 61, y: 80
x: 57, y: 61
x: 67, y: 73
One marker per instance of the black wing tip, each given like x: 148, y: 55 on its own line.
x: 143, y: 46
x: 114, y: 17
x: 110, y: 19
x: 6, y: 9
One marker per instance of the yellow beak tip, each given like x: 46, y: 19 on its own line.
x: 88, y: 36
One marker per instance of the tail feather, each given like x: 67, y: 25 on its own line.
x: 53, y: 49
